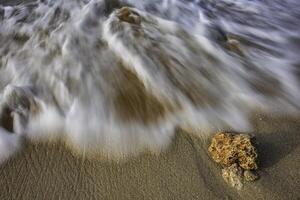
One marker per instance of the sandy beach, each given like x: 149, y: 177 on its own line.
x: 185, y: 171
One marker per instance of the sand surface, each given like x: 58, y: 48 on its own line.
x: 51, y: 171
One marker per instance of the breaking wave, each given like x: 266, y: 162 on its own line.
x: 118, y: 77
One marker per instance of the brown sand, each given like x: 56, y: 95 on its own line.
x: 183, y: 172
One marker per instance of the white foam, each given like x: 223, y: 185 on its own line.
x: 9, y: 144
x: 73, y: 48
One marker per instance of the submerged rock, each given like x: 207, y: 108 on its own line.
x: 233, y: 45
x: 20, y: 99
x: 17, y: 105
x: 237, y: 155
x: 127, y: 15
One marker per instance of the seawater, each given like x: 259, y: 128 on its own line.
x: 76, y: 71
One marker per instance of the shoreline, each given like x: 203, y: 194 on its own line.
x: 184, y: 171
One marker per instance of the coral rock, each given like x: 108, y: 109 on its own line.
x: 237, y: 155
x: 233, y: 176
x: 227, y: 149
x: 221, y: 149
x: 250, y: 176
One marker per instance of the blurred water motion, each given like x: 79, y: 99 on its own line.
x: 117, y: 77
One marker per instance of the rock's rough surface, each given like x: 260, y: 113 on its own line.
x: 233, y: 176
x: 221, y: 149
x: 250, y: 176
x: 245, y: 151
x: 227, y: 149
x: 237, y: 155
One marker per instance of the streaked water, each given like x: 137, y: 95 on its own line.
x: 120, y: 81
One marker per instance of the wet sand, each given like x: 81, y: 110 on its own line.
x: 185, y: 171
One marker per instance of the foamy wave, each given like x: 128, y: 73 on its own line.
x: 118, y: 82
